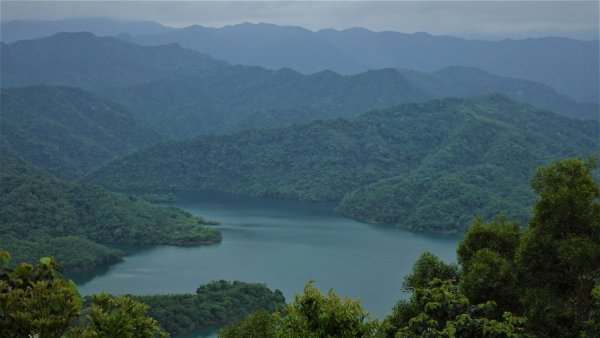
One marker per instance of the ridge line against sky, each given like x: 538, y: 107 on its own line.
x: 488, y: 20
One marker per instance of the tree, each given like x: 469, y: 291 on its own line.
x: 36, y: 300
x: 558, y: 259
x: 121, y: 316
x: 312, y: 315
x: 443, y: 311
x: 501, y: 236
x: 486, y: 255
x: 425, y: 269
x: 260, y: 324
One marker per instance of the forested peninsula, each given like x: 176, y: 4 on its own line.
x: 45, y: 216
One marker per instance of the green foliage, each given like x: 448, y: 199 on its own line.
x: 431, y: 166
x: 558, y: 259
x: 36, y: 300
x: 592, y: 324
x: 260, y: 324
x: 67, y: 131
x: 218, y: 302
x: 41, y: 214
x: 445, y: 312
x: 312, y: 314
x: 427, y: 268
x: 76, y: 253
x: 490, y: 276
x: 548, y: 274
x: 486, y: 255
x: 109, y: 316
x: 501, y: 236
x: 158, y: 198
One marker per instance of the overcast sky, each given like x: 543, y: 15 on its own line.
x: 471, y: 19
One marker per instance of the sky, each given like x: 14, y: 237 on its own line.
x: 469, y: 19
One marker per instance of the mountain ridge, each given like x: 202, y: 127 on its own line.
x: 446, y: 139
x: 184, y: 93
x: 546, y: 58
x: 68, y: 131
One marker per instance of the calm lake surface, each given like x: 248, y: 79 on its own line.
x: 283, y: 244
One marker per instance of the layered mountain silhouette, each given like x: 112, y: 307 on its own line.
x: 185, y: 93
x: 567, y: 65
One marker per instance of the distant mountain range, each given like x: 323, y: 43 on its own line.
x: 185, y: 93
x: 569, y: 66
x: 11, y: 31
x: 425, y: 166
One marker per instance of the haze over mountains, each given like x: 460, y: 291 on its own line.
x: 184, y: 93
x: 85, y: 100
x: 12, y: 31
x: 567, y: 65
x: 493, y: 141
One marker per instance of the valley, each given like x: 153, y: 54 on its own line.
x: 266, y: 180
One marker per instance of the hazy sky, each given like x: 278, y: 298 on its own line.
x: 474, y: 19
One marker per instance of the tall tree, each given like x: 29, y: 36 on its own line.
x: 486, y: 255
x: 558, y: 259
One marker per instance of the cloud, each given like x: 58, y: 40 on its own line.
x: 475, y: 19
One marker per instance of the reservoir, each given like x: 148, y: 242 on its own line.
x: 280, y: 243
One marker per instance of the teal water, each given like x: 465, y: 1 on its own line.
x: 280, y: 243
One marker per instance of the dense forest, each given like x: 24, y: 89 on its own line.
x: 218, y: 302
x: 68, y: 131
x: 425, y: 166
x: 184, y: 93
x: 41, y: 215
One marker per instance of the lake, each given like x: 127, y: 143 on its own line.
x: 280, y: 243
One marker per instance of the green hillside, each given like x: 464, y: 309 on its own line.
x: 237, y: 97
x: 427, y: 166
x: 67, y: 131
x: 72, y: 222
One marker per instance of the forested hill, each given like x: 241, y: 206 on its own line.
x: 432, y: 165
x: 184, y: 93
x: 68, y: 131
x: 41, y: 215
x: 90, y: 62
